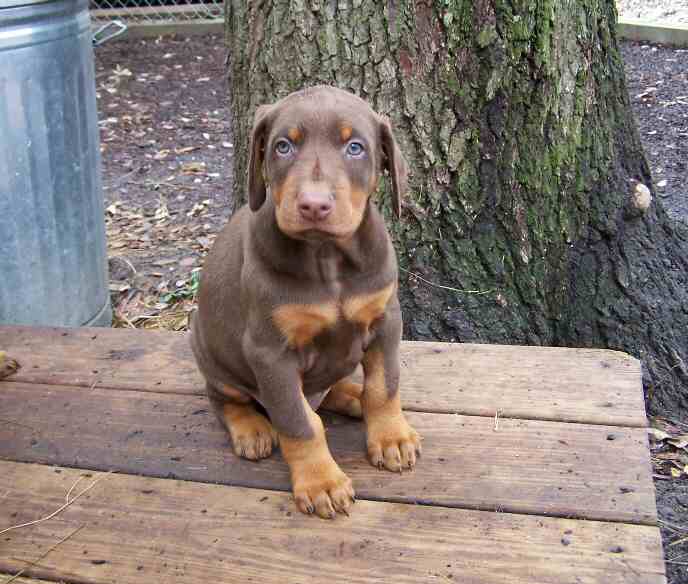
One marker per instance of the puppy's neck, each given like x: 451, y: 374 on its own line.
x: 327, y: 260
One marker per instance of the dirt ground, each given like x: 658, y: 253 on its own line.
x: 167, y: 173
x: 657, y: 80
x: 166, y: 151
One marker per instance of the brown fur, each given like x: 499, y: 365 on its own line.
x: 290, y: 302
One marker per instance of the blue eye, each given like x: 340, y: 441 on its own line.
x: 283, y: 147
x: 355, y: 149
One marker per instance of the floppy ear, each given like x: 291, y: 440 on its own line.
x: 395, y: 163
x: 256, y: 182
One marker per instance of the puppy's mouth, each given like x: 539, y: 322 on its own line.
x: 339, y: 222
x: 321, y: 233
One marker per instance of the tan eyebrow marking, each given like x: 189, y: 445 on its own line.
x: 295, y: 135
x: 345, y: 131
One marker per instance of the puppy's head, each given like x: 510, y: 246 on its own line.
x: 320, y: 153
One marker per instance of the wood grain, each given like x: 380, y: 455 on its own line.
x: 141, y: 530
x: 21, y: 580
x: 575, y: 385
x: 525, y: 466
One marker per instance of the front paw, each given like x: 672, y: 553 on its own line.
x: 253, y: 436
x: 323, y: 489
x: 392, y: 443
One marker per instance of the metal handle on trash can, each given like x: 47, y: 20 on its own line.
x: 101, y: 35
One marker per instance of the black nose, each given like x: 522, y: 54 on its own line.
x: 315, y: 205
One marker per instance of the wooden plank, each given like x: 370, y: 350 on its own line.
x: 572, y: 385
x: 118, y: 358
x: 575, y: 385
x: 140, y: 530
x: 22, y: 580
x: 526, y: 466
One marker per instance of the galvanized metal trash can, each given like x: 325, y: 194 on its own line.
x: 53, y: 263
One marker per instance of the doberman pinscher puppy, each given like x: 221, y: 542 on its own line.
x: 301, y: 287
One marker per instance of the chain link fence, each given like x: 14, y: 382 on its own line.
x: 157, y: 11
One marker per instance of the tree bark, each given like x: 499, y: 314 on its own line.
x: 524, y: 221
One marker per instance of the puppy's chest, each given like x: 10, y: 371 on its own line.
x: 341, y: 321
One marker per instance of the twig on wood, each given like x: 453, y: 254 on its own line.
x: 419, y: 277
x: 45, y: 553
x: 73, y: 487
x: 62, y: 508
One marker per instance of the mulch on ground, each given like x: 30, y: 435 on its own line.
x: 167, y: 177
x: 166, y: 150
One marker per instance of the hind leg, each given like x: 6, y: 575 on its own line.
x: 344, y: 398
x: 253, y: 436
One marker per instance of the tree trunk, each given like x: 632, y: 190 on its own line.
x: 525, y: 222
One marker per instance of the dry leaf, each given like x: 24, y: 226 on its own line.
x: 186, y: 149
x: 112, y: 209
x: 8, y: 366
x: 658, y: 435
x: 161, y: 213
x: 193, y: 167
x: 118, y: 287
x: 667, y: 455
x: 679, y: 441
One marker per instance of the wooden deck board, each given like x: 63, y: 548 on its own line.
x: 22, y: 580
x: 574, y: 385
x: 526, y: 466
x: 140, y: 530
x: 567, y: 466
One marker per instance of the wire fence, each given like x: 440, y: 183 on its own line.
x: 142, y: 11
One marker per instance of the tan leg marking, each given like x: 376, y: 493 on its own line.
x: 344, y: 398
x: 319, y: 485
x: 392, y: 442
x: 252, y: 433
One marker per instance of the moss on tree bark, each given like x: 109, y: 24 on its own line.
x: 520, y: 224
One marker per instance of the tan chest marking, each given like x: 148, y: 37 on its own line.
x: 301, y: 323
x: 365, y: 308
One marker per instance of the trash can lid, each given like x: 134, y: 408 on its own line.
x: 17, y: 3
